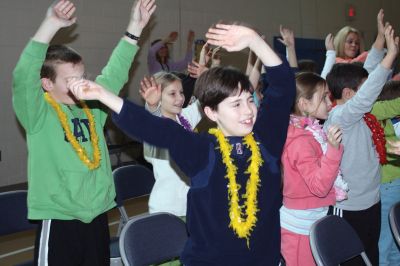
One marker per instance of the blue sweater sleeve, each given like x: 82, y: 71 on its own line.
x: 189, y: 150
x: 273, y: 117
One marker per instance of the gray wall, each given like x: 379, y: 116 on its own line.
x: 102, y: 22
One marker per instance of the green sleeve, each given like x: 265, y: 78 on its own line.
x: 28, y: 101
x: 116, y: 73
x: 386, y: 109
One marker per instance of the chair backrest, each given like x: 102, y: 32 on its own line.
x: 14, y: 212
x: 132, y: 181
x: 334, y: 241
x: 152, y: 238
x: 394, y: 219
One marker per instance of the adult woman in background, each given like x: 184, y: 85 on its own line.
x: 158, y: 58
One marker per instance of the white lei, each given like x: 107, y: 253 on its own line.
x: 341, y: 186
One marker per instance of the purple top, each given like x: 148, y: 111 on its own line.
x: 155, y: 66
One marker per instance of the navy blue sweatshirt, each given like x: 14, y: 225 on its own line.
x: 211, y: 241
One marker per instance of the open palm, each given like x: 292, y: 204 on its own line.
x: 142, y: 12
x: 62, y: 13
x: 230, y: 37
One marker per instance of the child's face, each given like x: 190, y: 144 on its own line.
x: 320, y: 104
x: 172, y: 99
x: 351, y: 45
x: 64, y: 73
x: 236, y: 114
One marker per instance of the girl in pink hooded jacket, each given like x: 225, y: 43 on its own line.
x: 310, y: 162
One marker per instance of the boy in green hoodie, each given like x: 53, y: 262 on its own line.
x: 69, y: 173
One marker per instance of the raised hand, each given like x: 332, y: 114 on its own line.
x: 380, y: 24
x: 329, y: 42
x: 196, y: 69
x: 215, y: 58
x: 231, y: 37
x: 392, y: 42
x: 142, y: 11
x: 61, y: 14
x: 150, y: 91
x: 205, y: 54
x: 287, y: 36
x: 236, y: 38
x: 334, y: 136
x: 173, y: 35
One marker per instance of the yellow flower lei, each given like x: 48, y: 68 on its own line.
x: 241, y: 226
x: 71, y: 138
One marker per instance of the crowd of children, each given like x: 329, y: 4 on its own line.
x: 287, y: 149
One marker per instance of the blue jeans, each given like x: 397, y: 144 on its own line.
x: 389, y: 252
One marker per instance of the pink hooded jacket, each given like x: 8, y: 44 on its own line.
x: 308, y: 174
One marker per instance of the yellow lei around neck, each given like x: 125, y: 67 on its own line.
x: 71, y: 138
x: 241, y: 226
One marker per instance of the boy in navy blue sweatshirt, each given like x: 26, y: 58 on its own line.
x: 235, y: 195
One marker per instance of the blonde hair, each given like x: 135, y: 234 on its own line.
x: 165, y: 78
x: 340, y: 40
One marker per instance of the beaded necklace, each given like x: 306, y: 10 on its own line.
x: 80, y: 151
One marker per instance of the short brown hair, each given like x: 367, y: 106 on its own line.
x: 219, y: 83
x: 390, y: 91
x: 58, y: 54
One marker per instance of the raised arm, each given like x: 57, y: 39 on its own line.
x: 116, y: 73
x: 140, y: 15
x: 330, y: 55
x: 273, y: 118
x: 182, y: 63
x: 236, y: 38
x: 253, y: 71
x: 196, y: 69
x: 59, y: 15
x: 362, y: 102
x: 138, y: 123
x: 377, y: 52
x: 381, y: 27
x: 287, y: 39
x: 28, y: 101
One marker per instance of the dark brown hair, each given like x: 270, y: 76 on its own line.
x: 219, y: 83
x: 390, y: 91
x: 58, y: 54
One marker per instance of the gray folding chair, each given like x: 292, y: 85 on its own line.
x: 334, y: 241
x: 131, y: 181
x: 152, y: 239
